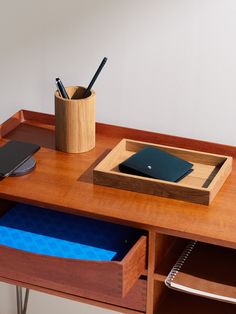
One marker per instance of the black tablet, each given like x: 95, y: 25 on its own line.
x: 14, y: 154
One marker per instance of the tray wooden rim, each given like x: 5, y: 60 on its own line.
x: 225, y: 167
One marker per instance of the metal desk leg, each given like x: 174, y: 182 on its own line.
x: 22, y: 308
x: 19, y: 299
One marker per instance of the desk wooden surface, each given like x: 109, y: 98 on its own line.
x: 64, y: 182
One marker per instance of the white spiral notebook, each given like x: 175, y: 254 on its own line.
x: 205, y: 270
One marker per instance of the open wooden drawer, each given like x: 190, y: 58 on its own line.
x: 69, y: 253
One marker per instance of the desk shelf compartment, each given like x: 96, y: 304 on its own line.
x: 182, y: 303
x: 69, y: 253
x: 205, y: 270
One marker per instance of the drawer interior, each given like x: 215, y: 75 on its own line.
x: 47, y: 232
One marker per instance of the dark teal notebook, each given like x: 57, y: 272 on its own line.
x: 155, y: 163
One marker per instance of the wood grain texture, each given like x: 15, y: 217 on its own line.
x: 64, y: 182
x: 168, y: 251
x: 11, y: 123
x: 201, y: 186
x: 75, y: 276
x: 159, y: 247
x: 208, y: 269
x: 133, y: 303
x: 183, y: 303
x: 165, y: 139
x: 75, y: 121
x: 133, y: 264
x: 120, y: 132
x: 150, y: 271
x: 70, y: 177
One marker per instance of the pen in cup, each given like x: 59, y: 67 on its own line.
x: 87, y: 91
x: 61, y: 88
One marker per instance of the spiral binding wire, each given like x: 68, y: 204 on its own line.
x: 180, y: 262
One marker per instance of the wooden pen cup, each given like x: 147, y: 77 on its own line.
x: 75, y: 121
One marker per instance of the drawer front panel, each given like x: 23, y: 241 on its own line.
x: 68, y: 275
x: 36, y: 245
x: 135, y: 299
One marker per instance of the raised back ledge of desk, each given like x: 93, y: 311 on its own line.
x: 115, y: 131
x: 214, y: 224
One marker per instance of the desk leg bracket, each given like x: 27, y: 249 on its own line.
x: 22, y: 306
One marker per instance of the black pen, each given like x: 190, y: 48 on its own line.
x: 61, y: 88
x: 86, y: 93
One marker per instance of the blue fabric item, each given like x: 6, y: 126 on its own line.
x: 43, y: 231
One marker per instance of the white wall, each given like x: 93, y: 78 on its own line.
x: 171, y: 66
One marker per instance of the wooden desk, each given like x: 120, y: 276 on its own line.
x: 64, y: 182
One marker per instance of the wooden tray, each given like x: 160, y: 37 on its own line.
x: 201, y: 186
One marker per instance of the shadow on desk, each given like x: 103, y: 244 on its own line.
x: 87, y: 175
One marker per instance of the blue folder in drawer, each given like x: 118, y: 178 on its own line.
x: 43, y: 231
